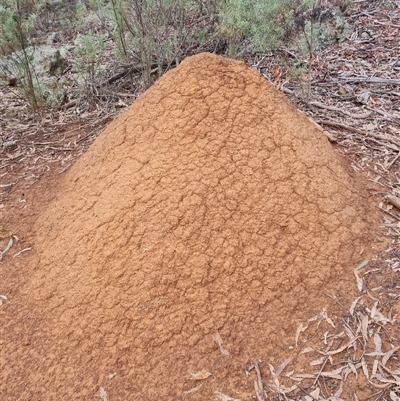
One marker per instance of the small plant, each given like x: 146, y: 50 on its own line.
x: 156, y: 32
x: 262, y: 25
x: 151, y: 32
x: 17, y: 24
x: 87, y: 55
x: 253, y: 24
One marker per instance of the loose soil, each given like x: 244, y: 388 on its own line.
x: 210, y: 206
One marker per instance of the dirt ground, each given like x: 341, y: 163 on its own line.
x: 88, y: 312
x: 71, y: 322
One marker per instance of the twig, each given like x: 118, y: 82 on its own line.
x: 372, y: 80
x: 357, y: 131
x: 304, y: 391
x: 386, y: 24
x: 390, y: 214
x: 21, y: 251
x: 258, y: 383
x: 383, y: 113
x: 333, y: 108
x: 320, y: 371
x: 393, y: 161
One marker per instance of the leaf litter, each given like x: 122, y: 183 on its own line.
x: 358, y: 345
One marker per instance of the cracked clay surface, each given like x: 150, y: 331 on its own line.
x: 210, y: 205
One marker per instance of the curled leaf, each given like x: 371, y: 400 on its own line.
x: 299, y: 330
x: 200, y: 375
x: 218, y: 340
x: 361, y: 265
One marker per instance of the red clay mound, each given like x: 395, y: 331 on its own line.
x: 211, y: 205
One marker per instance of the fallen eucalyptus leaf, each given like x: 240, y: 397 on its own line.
x: 306, y: 350
x: 194, y: 389
x: 217, y: 338
x: 360, y: 281
x: 388, y: 354
x: 361, y: 265
x: 299, y: 330
x: 200, y: 375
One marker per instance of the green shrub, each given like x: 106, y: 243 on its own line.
x: 17, y: 25
x: 258, y: 25
x: 87, y: 56
x: 155, y: 30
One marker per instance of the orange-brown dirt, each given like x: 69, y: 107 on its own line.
x: 210, y: 206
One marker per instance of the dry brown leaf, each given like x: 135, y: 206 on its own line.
x: 374, y: 368
x: 307, y: 350
x: 353, y: 305
x: 364, y: 328
x: 288, y: 374
x: 217, y: 338
x: 315, y: 393
x: 200, y: 375
x: 388, y: 354
x: 394, y: 396
x: 377, y: 316
x: 326, y: 337
x: 380, y: 385
x: 378, y: 343
x: 371, y: 296
x: 283, y: 366
x: 286, y: 390
x: 335, y: 374
x: 349, y: 369
x: 274, y: 375
x: 327, y: 318
x: 302, y: 376
x: 360, y: 281
x: 318, y: 361
x: 361, y: 265
x: 394, y: 373
x: 8, y: 246
x: 194, y: 389
x: 375, y: 353
x: 394, y: 200
x: 339, y: 350
x: 351, y: 336
x: 384, y: 380
x: 259, y: 391
x: 300, y: 330
x: 365, y: 368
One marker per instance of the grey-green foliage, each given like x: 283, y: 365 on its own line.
x: 87, y: 53
x: 260, y: 25
x: 154, y: 30
x: 17, y: 25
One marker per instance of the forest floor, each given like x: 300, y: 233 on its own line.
x: 353, y: 92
